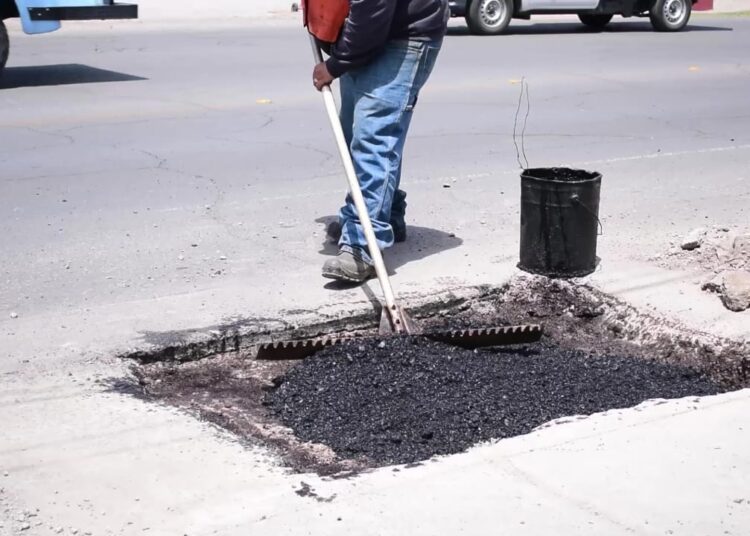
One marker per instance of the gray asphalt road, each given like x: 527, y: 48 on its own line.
x: 139, y: 165
x: 163, y: 180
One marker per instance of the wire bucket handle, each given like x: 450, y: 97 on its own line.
x: 576, y: 199
x: 521, y: 153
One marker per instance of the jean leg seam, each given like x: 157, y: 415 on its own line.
x: 402, y: 111
x: 415, y: 72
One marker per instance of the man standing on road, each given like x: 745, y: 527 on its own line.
x: 382, y: 58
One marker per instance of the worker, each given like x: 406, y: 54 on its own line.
x: 383, y: 55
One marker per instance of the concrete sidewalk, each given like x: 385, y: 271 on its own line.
x: 731, y: 6
x: 108, y: 464
x: 217, y: 9
x: 154, y: 10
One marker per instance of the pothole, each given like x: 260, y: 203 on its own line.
x: 367, y: 404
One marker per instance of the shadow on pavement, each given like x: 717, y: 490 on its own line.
x: 60, y: 75
x: 421, y: 242
x: 328, y: 248
x: 577, y: 28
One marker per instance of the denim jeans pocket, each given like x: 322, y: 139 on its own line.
x: 427, y: 57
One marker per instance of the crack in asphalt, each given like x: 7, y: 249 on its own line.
x: 161, y: 162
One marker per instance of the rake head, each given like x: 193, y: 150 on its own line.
x: 464, y: 338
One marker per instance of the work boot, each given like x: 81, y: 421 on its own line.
x: 347, y: 266
x: 399, y: 232
x: 334, y: 232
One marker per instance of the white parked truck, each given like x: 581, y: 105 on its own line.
x: 42, y: 16
x: 491, y: 17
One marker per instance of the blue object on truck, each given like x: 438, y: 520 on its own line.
x: 42, y: 16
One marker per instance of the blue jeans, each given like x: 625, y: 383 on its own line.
x: 377, y: 103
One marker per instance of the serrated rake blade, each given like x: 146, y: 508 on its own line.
x: 464, y: 338
x: 483, y: 337
x: 297, y: 349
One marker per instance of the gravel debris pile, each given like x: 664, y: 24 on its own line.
x: 723, y: 254
x: 408, y: 399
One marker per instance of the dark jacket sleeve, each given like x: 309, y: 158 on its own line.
x: 364, y: 33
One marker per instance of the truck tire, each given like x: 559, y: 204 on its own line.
x: 670, y: 15
x: 4, y: 46
x: 595, y: 21
x: 489, y: 17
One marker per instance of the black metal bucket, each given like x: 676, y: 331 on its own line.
x: 559, y: 221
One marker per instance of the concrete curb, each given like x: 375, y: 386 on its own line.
x: 165, y: 10
x: 221, y: 9
x: 730, y: 6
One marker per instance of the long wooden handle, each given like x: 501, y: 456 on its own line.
x: 359, y: 201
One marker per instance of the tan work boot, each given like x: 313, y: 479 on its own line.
x: 349, y: 267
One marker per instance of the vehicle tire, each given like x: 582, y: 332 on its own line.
x: 670, y: 15
x: 595, y: 21
x: 4, y: 46
x: 489, y: 17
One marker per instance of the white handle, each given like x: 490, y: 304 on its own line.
x: 359, y: 201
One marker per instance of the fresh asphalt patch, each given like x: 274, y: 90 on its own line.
x: 406, y: 400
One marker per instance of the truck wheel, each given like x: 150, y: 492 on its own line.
x: 4, y: 46
x: 670, y: 15
x: 595, y: 21
x: 489, y: 17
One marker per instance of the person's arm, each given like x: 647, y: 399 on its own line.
x: 363, y: 35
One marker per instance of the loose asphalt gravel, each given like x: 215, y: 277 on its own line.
x: 406, y: 400
x: 560, y: 174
